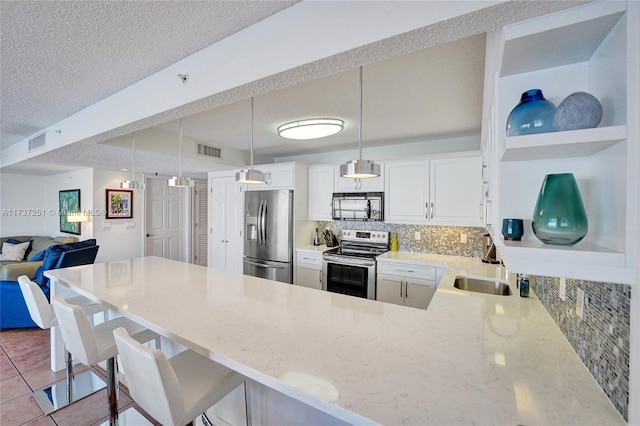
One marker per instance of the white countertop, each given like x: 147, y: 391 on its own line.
x: 469, y: 358
x: 313, y: 249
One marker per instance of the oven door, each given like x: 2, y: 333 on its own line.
x: 352, y: 276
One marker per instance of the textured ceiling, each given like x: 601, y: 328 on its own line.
x: 409, y: 93
x: 57, y: 57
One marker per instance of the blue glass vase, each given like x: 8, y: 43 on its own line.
x: 534, y: 114
x: 559, y: 217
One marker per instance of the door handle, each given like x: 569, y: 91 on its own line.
x: 263, y: 224
x: 260, y: 222
x: 151, y: 235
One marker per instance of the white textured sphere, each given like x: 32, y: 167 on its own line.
x: 579, y: 110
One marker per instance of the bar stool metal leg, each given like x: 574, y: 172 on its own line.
x: 65, y: 392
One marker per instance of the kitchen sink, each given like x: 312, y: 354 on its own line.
x: 482, y: 285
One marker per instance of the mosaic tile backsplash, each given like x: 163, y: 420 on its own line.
x: 433, y: 239
x: 601, y: 339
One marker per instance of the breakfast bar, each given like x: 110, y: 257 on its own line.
x: 470, y: 358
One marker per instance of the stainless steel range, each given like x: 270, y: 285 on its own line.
x: 351, y: 268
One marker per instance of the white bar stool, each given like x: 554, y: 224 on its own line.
x: 173, y: 391
x: 73, y: 388
x: 91, y: 345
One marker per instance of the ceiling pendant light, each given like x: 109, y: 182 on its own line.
x: 133, y: 183
x: 313, y: 128
x: 251, y: 175
x: 360, y: 169
x: 180, y: 181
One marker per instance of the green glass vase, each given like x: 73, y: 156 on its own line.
x: 559, y: 217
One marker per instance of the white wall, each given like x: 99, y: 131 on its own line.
x: 79, y: 179
x: 124, y: 238
x: 22, y: 205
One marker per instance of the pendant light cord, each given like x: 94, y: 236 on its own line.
x: 252, y: 133
x: 133, y: 163
x: 360, y: 127
x: 180, y: 153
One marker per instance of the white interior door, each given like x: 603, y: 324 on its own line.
x: 200, y: 222
x: 167, y: 221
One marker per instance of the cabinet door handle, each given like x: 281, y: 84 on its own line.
x: 401, y: 289
x: 431, y: 210
x: 406, y: 290
x: 426, y: 211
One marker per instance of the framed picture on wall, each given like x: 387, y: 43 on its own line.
x: 119, y: 204
x: 69, y: 202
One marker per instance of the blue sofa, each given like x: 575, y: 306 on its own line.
x: 13, y: 309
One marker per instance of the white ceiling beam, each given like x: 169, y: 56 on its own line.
x: 306, y: 32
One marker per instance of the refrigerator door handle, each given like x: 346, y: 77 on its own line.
x: 263, y: 222
x: 259, y: 224
x: 263, y: 265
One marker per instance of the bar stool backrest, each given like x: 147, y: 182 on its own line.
x: 37, y: 303
x: 151, y: 379
x: 77, y: 332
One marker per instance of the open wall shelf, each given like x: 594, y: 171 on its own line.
x: 590, y: 48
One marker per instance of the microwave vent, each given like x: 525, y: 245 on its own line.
x: 37, y: 142
x: 208, y: 151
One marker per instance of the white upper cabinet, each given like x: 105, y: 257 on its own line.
x: 407, y: 191
x: 366, y: 185
x: 324, y: 180
x: 592, y: 48
x: 436, y: 191
x: 279, y: 176
x: 455, y: 188
x: 321, y: 177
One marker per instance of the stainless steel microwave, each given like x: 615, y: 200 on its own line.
x: 359, y: 206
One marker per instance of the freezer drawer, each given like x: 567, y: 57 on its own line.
x: 276, y: 271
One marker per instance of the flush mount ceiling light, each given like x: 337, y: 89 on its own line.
x: 251, y: 175
x: 180, y: 181
x: 311, y: 129
x: 360, y: 169
x: 133, y: 183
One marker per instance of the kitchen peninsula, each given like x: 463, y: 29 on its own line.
x: 470, y: 358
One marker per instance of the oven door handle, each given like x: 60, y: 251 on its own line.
x: 349, y: 262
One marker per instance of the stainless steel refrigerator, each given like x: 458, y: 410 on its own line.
x: 268, y: 242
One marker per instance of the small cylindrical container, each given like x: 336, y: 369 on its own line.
x: 394, y: 242
x: 524, y: 286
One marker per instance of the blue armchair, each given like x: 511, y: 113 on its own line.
x: 13, y: 309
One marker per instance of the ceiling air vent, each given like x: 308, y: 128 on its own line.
x: 37, y: 142
x: 208, y: 151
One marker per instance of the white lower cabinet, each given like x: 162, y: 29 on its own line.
x: 309, y: 270
x: 405, y: 284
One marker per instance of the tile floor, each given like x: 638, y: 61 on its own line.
x: 24, y: 367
